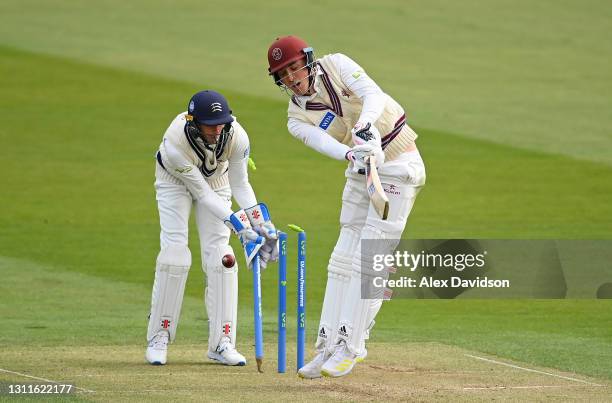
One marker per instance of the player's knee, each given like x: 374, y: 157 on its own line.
x: 177, y: 256
x: 339, y: 266
x: 347, y: 241
x: 375, y: 242
x: 341, y: 258
x: 349, y: 235
x: 220, y: 258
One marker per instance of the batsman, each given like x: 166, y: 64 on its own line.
x: 201, y: 163
x: 339, y: 111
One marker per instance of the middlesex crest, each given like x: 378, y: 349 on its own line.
x: 216, y: 107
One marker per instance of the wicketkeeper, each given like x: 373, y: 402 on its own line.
x: 338, y: 110
x: 202, y: 162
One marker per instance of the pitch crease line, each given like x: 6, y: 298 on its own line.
x: 524, y: 387
x: 149, y: 374
x: 533, y: 370
x: 43, y: 379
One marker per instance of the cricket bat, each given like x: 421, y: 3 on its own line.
x: 378, y: 198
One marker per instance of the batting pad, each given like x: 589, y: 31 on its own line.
x: 338, y: 276
x: 221, y: 296
x: 357, y: 316
x: 173, y: 264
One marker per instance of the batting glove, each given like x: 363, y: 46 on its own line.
x: 358, y: 156
x: 365, y: 132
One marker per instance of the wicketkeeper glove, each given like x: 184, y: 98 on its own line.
x: 259, y: 217
x: 239, y: 223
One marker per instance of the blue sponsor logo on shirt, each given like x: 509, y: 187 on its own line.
x: 327, y: 120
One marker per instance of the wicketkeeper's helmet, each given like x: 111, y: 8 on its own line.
x: 209, y: 108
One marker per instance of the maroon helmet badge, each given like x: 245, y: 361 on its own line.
x: 277, y: 54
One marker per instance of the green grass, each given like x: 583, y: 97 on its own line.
x: 53, y: 307
x: 511, y: 102
x: 529, y: 74
x: 79, y: 228
x: 570, y: 334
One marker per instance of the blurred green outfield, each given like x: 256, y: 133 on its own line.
x: 511, y: 101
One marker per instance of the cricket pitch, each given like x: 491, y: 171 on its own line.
x: 412, y: 371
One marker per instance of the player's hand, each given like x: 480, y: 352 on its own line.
x: 365, y: 133
x: 239, y: 223
x: 259, y: 217
x: 359, y: 154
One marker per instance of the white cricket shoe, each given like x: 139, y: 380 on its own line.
x: 157, y: 350
x: 342, y: 361
x: 226, y: 354
x: 312, y: 370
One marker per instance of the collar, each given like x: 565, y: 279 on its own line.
x: 321, y: 83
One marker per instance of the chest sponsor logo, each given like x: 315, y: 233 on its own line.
x: 327, y: 120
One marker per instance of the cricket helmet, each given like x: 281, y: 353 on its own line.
x: 209, y: 108
x: 286, y: 50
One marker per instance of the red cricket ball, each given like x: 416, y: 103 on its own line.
x: 228, y: 261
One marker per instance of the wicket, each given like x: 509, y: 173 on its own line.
x: 257, y: 314
x: 282, y: 299
x: 301, y: 299
x: 282, y: 302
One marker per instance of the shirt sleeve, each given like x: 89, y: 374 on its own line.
x: 317, y: 139
x: 179, y: 166
x: 237, y: 172
x: 359, y: 83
